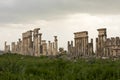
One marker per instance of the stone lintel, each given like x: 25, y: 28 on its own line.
x: 101, y: 29
x: 86, y: 32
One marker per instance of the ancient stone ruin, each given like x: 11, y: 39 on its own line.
x: 105, y: 47
x: 32, y: 44
x: 82, y: 46
x: 6, y: 47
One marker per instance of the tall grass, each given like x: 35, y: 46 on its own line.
x: 18, y: 67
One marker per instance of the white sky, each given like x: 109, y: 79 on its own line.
x: 57, y: 18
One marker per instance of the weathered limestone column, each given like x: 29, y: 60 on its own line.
x: 49, y: 48
x: 86, y: 45
x: 55, y: 45
x: 24, y: 43
x: 13, y: 47
x: 71, y: 48
x: 44, y: 47
x: 39, y: 43
x: 90, y: 48
x: 20, y: 46
x: 30, y: 43
x: 68, y: 47
x: 23, y: 46
x: 53, y: 49
x: 6, y: 47
x: 35, y: 41
x: 17, y: 48
x: 97, y: 51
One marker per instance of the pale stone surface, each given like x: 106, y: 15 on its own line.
x: 106, y: 47
x: 32, y: 44
x: 100, y: 42
x: 82, y: 47
x: 7, y: 47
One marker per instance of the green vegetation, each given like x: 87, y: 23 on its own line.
x: 18, y: 67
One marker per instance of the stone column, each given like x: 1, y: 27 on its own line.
x: 6, y: 47
x: 20, y: 46
x: 90, y: 48
x: 35, y: 41
x: 39, y: 43
x: 13, y: 47
x: 30, y: 43
x: 97, y: 47
x: 49, y: 48
x: 44, y: 47
x: 55, y: 45
x: 23, y: 43
x: 71, y: 48
x: 68, y: 47
x: 53, y: 48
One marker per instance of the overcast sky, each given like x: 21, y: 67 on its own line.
x: 58, y: 17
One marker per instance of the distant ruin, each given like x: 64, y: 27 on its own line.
x: 32, y: 44
x: 105, y: 47
x: 82, y: 46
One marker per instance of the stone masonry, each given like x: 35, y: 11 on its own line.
x: 6, y: 47
x: 107, y: 47
x: 82, y: 47
x: 32, y: 44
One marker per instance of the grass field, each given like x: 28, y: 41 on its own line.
x: 18, y: 67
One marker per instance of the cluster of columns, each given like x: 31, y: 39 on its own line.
x: 112, y: 46
x: 100, y: 41
x: 82, y: 47
x: 32, y: 44
x: 53, y: 46
x: 107, y: 47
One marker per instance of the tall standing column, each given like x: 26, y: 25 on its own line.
x: 49, y: 48
x: 44, y: 47
x: 30, y: 44
x: 35, y: 41
x: 55, y: 45
x: 39, y: 43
